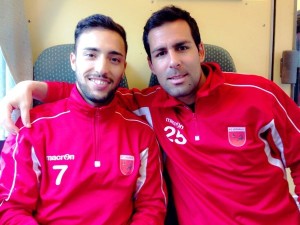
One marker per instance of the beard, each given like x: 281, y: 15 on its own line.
x: 88, y: 95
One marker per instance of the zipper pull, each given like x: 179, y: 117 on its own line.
x: 97, y: 163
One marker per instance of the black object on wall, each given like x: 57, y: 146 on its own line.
x: 289, y: 65
x: 288, y: 69
x: 1, y: 145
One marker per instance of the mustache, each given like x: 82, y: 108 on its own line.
x: 97, y: 75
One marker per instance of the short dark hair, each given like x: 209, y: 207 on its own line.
x: 99, y: 21
x: 170, y: 14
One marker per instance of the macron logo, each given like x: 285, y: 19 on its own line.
x: 176, y: 124
x: 60, y: 157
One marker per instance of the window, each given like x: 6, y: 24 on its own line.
x: 6, y: 83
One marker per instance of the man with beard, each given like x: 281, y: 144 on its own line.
x: 85, y: 160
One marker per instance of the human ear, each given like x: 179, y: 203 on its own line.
x: 150, y: 64
x: 73, y: 60
x: 201, y: 52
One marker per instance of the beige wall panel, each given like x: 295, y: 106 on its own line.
x: 243, y: 27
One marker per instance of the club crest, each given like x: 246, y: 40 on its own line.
x: 126, y: 164
x: 237, y: 136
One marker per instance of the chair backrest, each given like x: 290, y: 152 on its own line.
x: 213, y: 53
x: 53, y: 64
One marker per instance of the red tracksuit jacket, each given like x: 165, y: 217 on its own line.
x: 82, y: 165
x: 227, y: 159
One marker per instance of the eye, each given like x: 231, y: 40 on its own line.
x: 115, y: 60
x: 160, y: 54
x: 89, y: 55
x: 182, y: 48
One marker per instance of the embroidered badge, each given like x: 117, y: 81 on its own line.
x: 237, y: 136
x: 126, y: 164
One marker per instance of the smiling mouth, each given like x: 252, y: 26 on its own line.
x: 100, y: 81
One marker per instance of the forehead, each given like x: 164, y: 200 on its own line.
x: 170, y: 33
x: 102, y: 39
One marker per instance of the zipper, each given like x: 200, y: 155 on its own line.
x: 195, y: 124
x: 97, y: 162
x: 196, y: 127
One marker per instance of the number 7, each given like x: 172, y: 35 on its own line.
x: 62, y: 169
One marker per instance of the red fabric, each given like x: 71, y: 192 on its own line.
x: 49, y: 172
x: 227, y: 159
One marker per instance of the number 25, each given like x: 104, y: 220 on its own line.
x: 179, y: 138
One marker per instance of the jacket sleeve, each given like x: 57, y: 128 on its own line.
x: 150, y: 197
x: 58, y: 90
x: 18, y: 182
x: 287, y: 122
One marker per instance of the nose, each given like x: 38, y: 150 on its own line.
x: 101, y: 65
x: 174, y: 60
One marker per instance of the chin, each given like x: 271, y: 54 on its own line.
x: 104, y: 99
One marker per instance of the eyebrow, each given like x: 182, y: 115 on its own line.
x: 182, y: 43
x: 158, y: 50
x: 175, y: 45
x: 113, y: 52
